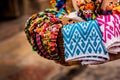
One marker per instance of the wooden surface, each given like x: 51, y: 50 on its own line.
x: 114, y: 56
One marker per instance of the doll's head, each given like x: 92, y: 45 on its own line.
x: 108, y: 4
x: 90, y: 6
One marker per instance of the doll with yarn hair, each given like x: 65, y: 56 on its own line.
x: 86, y: 9
x: 110, y: 7
x: 89, y: 9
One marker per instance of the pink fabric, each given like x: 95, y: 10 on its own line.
x: 110, y: 28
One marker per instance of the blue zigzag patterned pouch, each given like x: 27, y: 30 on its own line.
x: 83, y: 41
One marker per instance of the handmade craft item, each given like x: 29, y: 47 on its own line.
x: 110, y: 7
x: 85, y: 36
x: 110, y: 28
x: 60, y: 4
x: 85, y: 8
x: 42, y: 30
x: 89, y: 9
x: 83, y: 41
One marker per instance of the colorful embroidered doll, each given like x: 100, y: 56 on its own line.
x: 80, y: 4
x: 108, y: 6
x: 89, y: 10
x: 86, y: 9
x: 60, y: 4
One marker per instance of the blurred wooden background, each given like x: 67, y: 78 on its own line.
x: 16, y: 8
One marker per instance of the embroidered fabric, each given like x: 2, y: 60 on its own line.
x: 83, y: 41
x: 110, y: 28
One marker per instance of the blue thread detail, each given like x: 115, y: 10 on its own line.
x: 89, y: 50
x: 78, y: 52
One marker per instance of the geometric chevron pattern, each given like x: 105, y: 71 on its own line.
x: 110, y: 28
x: 82, y: 41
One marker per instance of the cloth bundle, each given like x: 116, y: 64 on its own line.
x: 83, y: 41
x: 41, y: 31
x: 86, y: 42
x: 110, y: 28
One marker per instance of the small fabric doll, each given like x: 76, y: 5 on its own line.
x: 108, y: 6
x: 89, y: 10
x: 60, y: 4
x: 86, y: 9
x: 80, y: 4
